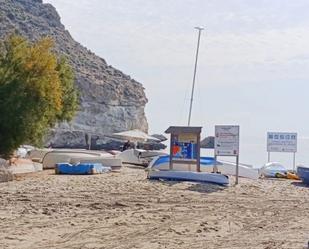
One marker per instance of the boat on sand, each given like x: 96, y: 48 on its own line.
x: 53, y: 157
x: 273, y: 169
x: 138, y: 156
x: 173, y: 175
x: 207, y: 165
x: 303, y: 173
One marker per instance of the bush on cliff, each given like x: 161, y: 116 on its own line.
x: 36, y: 91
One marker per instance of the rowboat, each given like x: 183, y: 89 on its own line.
x: 206, y: 165
x: 204, y: 177
x: 303, y: 173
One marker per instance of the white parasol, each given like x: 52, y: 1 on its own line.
x: 136, y: 135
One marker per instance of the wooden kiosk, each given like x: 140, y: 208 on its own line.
x: 184, y: 150
x: 185, y: 145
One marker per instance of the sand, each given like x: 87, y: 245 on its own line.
x: 5, y: 174
x: 125, y: 210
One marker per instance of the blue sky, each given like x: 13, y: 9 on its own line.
x: 253, y: 65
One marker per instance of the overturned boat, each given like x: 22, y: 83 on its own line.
x: 206, y: 165
x: 53, y: 157
x: 81, y: 169
x: 173, y: 175
x: 138, y: 156
x: 303, y: 173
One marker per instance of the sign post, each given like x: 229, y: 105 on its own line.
x: 227, y: 144
x: 282, y: 142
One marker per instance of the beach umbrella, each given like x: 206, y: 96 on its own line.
x: 135, y: 135
x: 208, y: 143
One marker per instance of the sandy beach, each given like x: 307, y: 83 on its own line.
x: 125, y: 210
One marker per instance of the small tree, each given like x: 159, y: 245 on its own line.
x: 36, y: 91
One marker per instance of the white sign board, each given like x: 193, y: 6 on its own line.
x: 226, y: 140
x: 281, y: 142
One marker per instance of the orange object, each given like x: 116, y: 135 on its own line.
x: 176, y: 149
x: 292, y: 176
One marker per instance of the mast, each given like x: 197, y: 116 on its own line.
x: 194, y: 74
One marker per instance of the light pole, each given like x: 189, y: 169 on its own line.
x: 194, y: 74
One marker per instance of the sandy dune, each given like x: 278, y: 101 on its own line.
x: 124, y: 210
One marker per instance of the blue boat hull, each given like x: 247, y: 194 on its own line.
x: 189, y: 176
x: 80, y: 169
x: 303, y: 173
x: 206, y: 165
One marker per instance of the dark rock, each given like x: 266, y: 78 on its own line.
x: 108, y: 143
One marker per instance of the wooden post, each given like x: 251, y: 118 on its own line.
x: 171, y: 151
x: 237, y: 169
x: 198, y: 156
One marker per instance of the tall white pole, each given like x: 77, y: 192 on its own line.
x: 194, y: 74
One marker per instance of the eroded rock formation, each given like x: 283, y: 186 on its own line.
x: 110, y: 100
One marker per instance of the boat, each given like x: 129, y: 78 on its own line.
x: 173, y: 175
x: 303, y: 173
x: 37, y: 155
x: 51, y: 158
x: 81, y: 169
x: 206, y: 165
x: 138, y: 156
x: 113, y: 163
x: 273, y: 169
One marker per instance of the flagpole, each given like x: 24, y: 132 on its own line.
x: 194, y: 74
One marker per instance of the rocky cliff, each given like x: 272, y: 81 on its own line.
x: 110, y: 100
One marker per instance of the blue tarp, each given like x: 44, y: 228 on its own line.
x: 81, y: 168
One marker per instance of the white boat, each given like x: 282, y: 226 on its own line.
x: 138, y: 156
x: 272, y: 169
x: 51, y: 158
x: 38, y: 154
x: 206, y: 165
x: 245, y: 170
x: 188, y: 176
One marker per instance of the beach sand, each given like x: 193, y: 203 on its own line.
x: 125, y: 210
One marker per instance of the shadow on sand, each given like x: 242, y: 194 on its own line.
x: 206, y: 187
x: 300, y: 184
x: 194, y: 186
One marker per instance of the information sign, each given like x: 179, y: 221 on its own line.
x: 281, y: 142
x: 226, y: 140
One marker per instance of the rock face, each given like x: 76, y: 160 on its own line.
x: 110, y: 100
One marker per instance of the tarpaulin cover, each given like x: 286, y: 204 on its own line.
x: 81, y: 168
